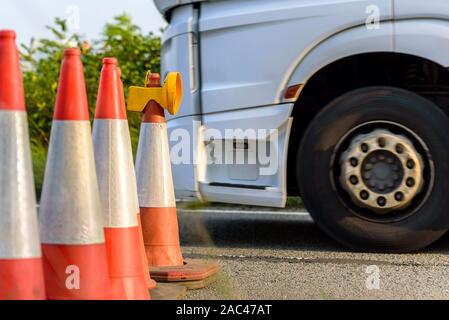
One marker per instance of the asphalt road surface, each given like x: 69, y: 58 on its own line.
x: 272, y: 256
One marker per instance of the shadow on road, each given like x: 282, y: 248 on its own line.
x: 287, y: 232
x: 254, y: 231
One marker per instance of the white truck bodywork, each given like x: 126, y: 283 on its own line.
x: 238, y: 57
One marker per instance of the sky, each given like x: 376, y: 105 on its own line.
x: 86, y: 17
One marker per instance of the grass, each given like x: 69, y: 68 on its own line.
x: 294, y: 202
x: 39, y: 154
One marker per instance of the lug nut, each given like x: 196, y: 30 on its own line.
x: 399, y: 196
x: 353, y: 180
x: 410, y: 182
x: 354, y: 162
x: 410, y: 164
x: 399, y: 148
x: 381, y: 142
x: 364, y: 195
x: 381, y: 201
x: 364, y: 147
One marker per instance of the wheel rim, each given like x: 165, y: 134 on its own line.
x: 383, y: 169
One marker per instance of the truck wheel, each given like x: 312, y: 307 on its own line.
x: 373, y: 170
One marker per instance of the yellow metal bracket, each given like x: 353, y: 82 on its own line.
x: 168, y: 96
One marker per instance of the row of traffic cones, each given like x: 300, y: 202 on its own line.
x: 95, y: 241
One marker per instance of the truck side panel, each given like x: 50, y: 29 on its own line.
x: 249, y: 48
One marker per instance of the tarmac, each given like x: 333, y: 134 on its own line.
x: 283, y: 255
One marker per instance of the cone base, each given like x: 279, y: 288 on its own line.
x: 22, y: 279
x: 191, y: 270
x: 76, y: 272
x: 198, y: 284
x: 125, y: 264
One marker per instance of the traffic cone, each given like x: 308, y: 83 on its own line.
x: 117, y: 184
x: 155, y: 185
x: 74, y: 251
x: 151, y: 284
x: 21, y: 274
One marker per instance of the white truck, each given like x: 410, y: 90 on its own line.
x: 349, y: 97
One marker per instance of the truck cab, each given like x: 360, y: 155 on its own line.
x: 344, y: 103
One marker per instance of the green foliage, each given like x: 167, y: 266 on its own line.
x: 294, y: 203
x: 41, y: 60
x: 39, y: 158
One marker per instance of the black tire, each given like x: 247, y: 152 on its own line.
x: 425, y: 222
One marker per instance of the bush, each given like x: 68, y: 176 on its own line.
x: 135, y: 51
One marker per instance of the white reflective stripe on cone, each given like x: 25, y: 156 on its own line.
x: 133, y: 187
x: 19, y: 229
x: 115, y: 177
x: 153, y: 167
x: 70, y: 211
x: 134, y: 191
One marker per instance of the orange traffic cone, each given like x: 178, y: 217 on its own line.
x: 74, y: 252
x: 157, y: 199
x: 21, y: 274
x: 116, y: 181
x: 151, y: 284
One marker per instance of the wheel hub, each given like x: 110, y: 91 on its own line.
x: 381, y: 171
